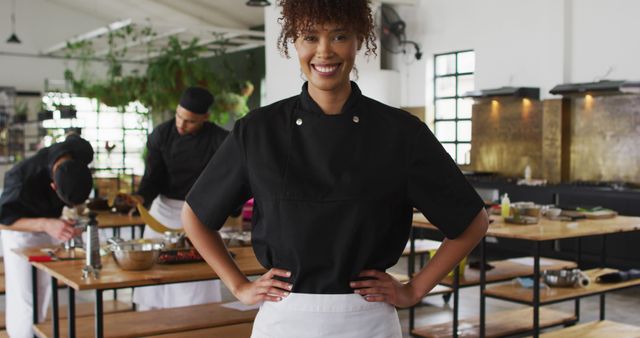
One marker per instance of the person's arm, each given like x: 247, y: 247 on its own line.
x: 155, y: 172
x: 384, y: 288
x: 212, y: 249
x: 56, y: 228
x: 437, y: 187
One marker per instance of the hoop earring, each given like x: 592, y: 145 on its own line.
x: 302, y: 76
x: 354, y: 72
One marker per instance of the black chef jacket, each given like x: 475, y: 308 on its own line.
x: 174, y: 162
x: 333, y: 193
x: 27, y: 191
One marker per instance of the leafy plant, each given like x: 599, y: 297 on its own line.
x: 169, y: 70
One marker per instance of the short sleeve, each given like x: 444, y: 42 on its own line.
x: 437, y: 187
x: 223, y: 186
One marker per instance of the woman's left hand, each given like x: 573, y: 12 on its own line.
x: 384, y: 288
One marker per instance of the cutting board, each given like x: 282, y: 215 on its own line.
x: 600, y: 214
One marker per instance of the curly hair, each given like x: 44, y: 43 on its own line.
x: 301, y: 15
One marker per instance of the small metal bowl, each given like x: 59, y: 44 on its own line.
x: 565, y: 278
x: 137, y: 254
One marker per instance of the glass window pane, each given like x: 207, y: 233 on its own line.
x: 464, y: 131
x: 464, y: 153
x: 446, y: 86
x: 134, y: 120
x: 446, y: 109
x: 446, y: 131
x: 110, y: 120
x: 445, y: 64
x: 466, y: 62
x: 465, y: 108
x: 451, y: 149
x: 465, y: 84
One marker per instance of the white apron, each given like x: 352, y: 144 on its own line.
x: 167, y: 211
x: 17, y: 272
x: 320, y: 316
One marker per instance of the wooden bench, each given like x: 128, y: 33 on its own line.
x: 603, y: 328
x: 498, y: 324
x: 154, y: 322
x: 83, y: 310
x: 230, y: 331
x: 86, y: 309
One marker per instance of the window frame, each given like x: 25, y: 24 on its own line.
x: 456, y: 97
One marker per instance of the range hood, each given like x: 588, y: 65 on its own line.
x: 600, y: 87
x: 630, y: 87
x: 520, y: 92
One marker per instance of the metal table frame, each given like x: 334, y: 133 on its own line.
x: 536, y: 285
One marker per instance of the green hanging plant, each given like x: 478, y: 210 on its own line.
x: 177, y: 65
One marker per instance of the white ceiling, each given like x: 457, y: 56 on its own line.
x: 222, y: 13
x: 207, y: 20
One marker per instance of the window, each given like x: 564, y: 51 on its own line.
x: 454, y: 76
x: 118, y: 138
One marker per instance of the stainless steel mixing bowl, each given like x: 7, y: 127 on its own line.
x: 136, y: 254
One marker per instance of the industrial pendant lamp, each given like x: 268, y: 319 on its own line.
x: 13, y: 38
x: 258, y: 3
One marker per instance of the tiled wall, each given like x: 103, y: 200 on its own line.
x: 507, y: 136
x: 605, y: 138
x: 602, y: 138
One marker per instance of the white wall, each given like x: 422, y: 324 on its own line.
x: 605, y: 37
x: 39, y: 24
x: 283, y: 77
x: 523, y: 43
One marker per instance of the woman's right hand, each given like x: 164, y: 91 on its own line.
x: 265, y: 288
x: 59, y: 229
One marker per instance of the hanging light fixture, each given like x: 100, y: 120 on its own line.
x: 13, y: 38
x: 258, y: 3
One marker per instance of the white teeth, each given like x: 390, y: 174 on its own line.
x: 326, y: 69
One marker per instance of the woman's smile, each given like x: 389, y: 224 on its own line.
x: 326, y: 69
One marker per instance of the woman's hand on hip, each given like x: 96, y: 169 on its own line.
x: 384, y: 288
x: 265, y: 288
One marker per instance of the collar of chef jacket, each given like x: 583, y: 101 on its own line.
x: 307, y: 104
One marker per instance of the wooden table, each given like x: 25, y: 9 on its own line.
x: 545, y: 230
x: 112, y: 277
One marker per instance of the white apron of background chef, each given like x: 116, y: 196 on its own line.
x: 326, y: 315
x: 17, y: 272
x: 167, y: 211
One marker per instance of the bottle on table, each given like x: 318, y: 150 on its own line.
x: 505, y: 205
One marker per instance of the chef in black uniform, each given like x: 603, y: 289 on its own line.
x: 335, y: 176
x: 35, y: 192
x: 178, y: 151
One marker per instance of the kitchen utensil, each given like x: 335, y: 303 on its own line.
x: 140, y: 254
x: 524, y: 213
x: 173, y: 240
x: 566, y: 278
x: 93, y: 263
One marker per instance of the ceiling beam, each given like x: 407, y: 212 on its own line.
x: 89, y: 35
x: 138, y: 42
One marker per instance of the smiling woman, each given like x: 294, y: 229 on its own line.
x: 335, y: 176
